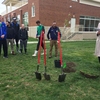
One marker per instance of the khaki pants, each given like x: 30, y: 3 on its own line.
x: 53, y: 43
x: 11, y: 43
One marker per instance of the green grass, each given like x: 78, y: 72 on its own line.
x: 18, y: 81
x: 32, y: 39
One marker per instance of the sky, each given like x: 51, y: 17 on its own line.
x: 2, y: 7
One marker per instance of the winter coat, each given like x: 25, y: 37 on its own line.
x: 10, y: 32
x: 23, y: 34
x: 16, y: 28
x: 53, y: 33
x: 3, y: 30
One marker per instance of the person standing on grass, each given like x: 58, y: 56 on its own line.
x: 97, y: 48
x: 16, y: 27
x: 23, y: 37
x: 10, y: 36
x: 52, y: 35
x: 40, y: 28
x: 3, y: 41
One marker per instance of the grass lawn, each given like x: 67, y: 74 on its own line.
x: 18, y: 81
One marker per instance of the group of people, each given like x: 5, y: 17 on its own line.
x: 9, y: 32
x: 52, y: 35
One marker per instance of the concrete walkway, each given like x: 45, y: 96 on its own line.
x: 32, y: 42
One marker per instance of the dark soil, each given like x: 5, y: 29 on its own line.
x: 70, y: 67
x: 88, y: 75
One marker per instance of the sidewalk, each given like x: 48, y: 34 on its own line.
x: 31, y: 42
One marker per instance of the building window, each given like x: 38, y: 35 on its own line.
x: 75, y: 0
x: 25, y: 19
x: 18, y: 19
x: 8, y: 18
x: 88, y: 23
x: 33, y: 11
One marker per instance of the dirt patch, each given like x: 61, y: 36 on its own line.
x: 70, y: 67
x: 88, y: 75
x: 71, y: 64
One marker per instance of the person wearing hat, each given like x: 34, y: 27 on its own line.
x: 3, y: 41
x: 16, y: 27
x: 40, y: 28
x: 52, y: 35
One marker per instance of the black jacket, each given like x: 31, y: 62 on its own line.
x: 10, y: 32
x: 16, y: 28
x: 53, y: 33
x: 23, y: 34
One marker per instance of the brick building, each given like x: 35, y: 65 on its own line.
x: 81, y: 16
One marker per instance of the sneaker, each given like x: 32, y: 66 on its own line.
x: 50, y: 56
x: 12, y: 52
x: 35, y: 53
x: 5, y: 57
x: 43, y: 52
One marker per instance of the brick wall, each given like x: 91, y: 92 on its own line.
x: 58, y: 10
x: 48, y: 11
x: 32, y: 20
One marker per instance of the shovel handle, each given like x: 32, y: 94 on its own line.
x: 59, y: 45
x: 45, y: 69
x: 39, y: 48
x: 37, y: 68
x: 44, y: 49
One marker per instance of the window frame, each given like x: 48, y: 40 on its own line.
x: 33, y: 11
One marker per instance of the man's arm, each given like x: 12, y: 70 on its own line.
x: 4, y: 31
x: 48, y: 34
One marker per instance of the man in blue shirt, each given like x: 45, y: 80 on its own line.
x: 3, y: 38
x: 52, y: 35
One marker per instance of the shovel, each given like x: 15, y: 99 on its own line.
x: 37, y: 73
x: 46, y: 76
x: 62, y: 76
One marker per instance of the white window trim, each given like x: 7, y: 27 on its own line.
x: 33, y: 15
x: 75, y: 0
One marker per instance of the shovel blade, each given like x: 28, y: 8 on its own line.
x: 62, y: 77
x: 46, y: 76
x: 38, y: 75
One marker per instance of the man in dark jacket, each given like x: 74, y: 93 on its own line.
x: 52, y: 35
x: 3, y: 38
x: 16, y: 27
x: 23, y: 36
x: 10, y: 36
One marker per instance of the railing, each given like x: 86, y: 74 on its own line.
x: 68, y: 34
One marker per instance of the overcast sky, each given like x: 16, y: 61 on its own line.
x: 2, y: 7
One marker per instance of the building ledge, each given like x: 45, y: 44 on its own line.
x: 91, y: 2
x: 13, y: 2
